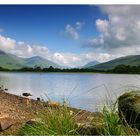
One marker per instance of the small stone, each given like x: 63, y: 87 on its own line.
x: 26, y: 94
x: 71, y: 112
x: 38, y: 99
x: 53, y: 104
x: 5, y: 122
x: 6, y: 89
x: 34, y: 121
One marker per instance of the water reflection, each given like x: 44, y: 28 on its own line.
x: 87, y: 91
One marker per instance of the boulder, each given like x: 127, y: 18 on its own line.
x: 88, y: 129
x: 5, y: 122
x: 129, y: 109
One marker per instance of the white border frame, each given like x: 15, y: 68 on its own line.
x: 81, y: 2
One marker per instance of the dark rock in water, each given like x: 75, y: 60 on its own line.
x: 26, y: 94
x: 129, y: 109
x: 6, y: 89
x: 5, y: 122
x: 38, y: 99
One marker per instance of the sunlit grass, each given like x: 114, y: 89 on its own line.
x: 55, y: 122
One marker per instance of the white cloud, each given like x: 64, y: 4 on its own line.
x: 71, y: 32
x: 120, y: 33
x: 74, y: 60
x: 23, y: 49
x: 7, y: 43
x: 79, y: 25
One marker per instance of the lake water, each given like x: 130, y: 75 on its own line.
x: 86, y: 91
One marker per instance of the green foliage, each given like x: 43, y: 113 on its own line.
x: 111, y: 123
x: 55, y: 122
x: 126, y: 69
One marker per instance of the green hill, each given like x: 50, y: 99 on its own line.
x: 10, y: 61
x: 133, y: 60
x: 93, y: 63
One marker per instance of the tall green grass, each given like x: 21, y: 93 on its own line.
x: 59, y: 122
x: 55, y: 122
x: 113, y: 125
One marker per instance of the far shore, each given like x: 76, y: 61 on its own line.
x: 69, y: 72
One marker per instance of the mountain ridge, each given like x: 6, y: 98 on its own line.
x: 132, y: 60
x: 10, y: 61
x: 92, y: 63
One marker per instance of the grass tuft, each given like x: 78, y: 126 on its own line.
x: 56, y: 122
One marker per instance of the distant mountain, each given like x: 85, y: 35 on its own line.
x: 39, y: 61
x: 10, y: 61
x: 132, y: 60
x: 93, y: 63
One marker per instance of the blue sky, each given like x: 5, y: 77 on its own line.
x: 70, y: 35
x: 43, y: 24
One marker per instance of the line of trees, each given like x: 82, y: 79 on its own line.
x: 122, y: 69
x: 52, y: 69
x: 126, y: 69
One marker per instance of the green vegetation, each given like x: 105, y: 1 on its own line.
x: 121, y: 69
x: 59, y: 122
x: 111, y: 122
x: 126, y: 69
x: 55, y: 122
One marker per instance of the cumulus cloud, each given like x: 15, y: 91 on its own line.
x: 79, y: 25
x: 120, y: 32
x: 74, y: 60
x: 73, y: 31
x: 7, y: 43
x: 22, y: 49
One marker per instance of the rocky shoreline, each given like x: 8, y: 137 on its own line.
x: 16, y: 110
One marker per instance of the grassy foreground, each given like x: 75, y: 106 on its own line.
x: 53, y: 122
x: 60, y: 122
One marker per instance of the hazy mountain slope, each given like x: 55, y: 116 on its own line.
x: 133, y: 60
x: 39, y: 61
x: 93, y: 63
x: 10, y: 61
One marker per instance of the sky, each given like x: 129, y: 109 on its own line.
x: 70, y: 35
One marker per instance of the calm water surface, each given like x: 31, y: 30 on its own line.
x: 87, y: 91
